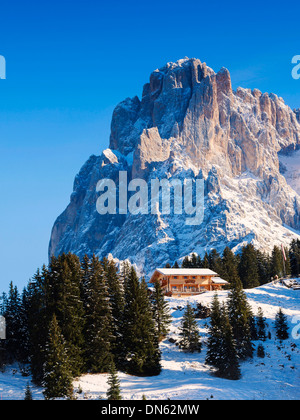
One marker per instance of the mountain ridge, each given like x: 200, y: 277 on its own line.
x: 190, y: 123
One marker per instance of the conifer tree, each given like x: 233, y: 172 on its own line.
x: 215, y: 334
x: 239, y: 316
x: 98, y: 328
x: 248, y: 267
x: 114, y: 391
x: 294, y: 255
x: 161, y: 311
x: 277, y: 262
x: 215, y: 262
x: 140, y: 340
x: 229, y: 361
x: 14, y: 325
x: 38, y: 318
x: 261, y: 325
x: 230, y: 268
x: 186, y: 263
x: 57, y: 370
x: 117, y: 303
x: 221, y: 346
x: 253, y: 328
x: 28, y: 393
x: 281, y: 326
x: 264, y: 266
x: 64, y: 289
x: 189, y: 332
x: 260, y: 351
x: 205, y: 262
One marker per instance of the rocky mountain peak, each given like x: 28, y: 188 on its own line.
x: 189, y: 122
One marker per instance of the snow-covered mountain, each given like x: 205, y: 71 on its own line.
x: 189, y: 123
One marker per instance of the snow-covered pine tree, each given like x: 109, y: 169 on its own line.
x: 14, y: 325
x: 161, y: 312
x: 213, y: 355
x: 64, y: 290
x: 230, y: 268
x: 229, y: 361
x: 98, y: 320
x: 189, y: 332
x: 239, y: 313
x: 114, y: 390
x: 38, y: 322
x: 57, y: 370
x: 117, y: 302
x: 281, y: 326
x: 140, y: 341
x: 261, y: 325
x: 248, y: 267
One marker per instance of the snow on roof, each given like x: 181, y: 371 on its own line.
x: 186, y: 272
x: 218, y: 280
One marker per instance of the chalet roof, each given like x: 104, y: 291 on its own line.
x: 218, y: 280
x: 186, y: 272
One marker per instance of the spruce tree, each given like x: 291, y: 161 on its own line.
x: 38, y: 318
x: 140, y: 339
x: 229, y: 361
x: 114, y: 391
x: 248, y: 267
x: 161, y: 311
x: 205, y: 262
x: 277, y: 262
x: 239, y: 316
x: 261, y: 351
x: 215, y: 262
x: 221, y: 347
x: 189, y: 332
x: 57, y: 370
x: 281, y: 326
x: 28, y: 393
x: 117, y: 303
x: 294, y: 255
x: 64, y: 300
x: 230, y: 268
x: 261, y: 325
x: 15, y: 326
x: 264, y: 266
x: 98, y: 328
x: 214, y: 342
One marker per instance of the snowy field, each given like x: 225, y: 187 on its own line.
x: 184, y: 376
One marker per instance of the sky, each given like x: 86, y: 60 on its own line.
x: 69, y: 63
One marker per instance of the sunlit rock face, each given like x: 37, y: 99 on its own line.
x: 189, y: 123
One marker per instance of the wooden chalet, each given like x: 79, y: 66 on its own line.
x: 187, y: 281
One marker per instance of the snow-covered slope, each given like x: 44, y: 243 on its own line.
x: 290, y: 164
x: 184, y: 376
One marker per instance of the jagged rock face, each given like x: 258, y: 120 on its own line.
x: 190, y: 123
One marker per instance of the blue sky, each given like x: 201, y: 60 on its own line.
x: 69, y: 63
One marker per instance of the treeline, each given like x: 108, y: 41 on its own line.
x: 83, y: 316
x: 249, y: 268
